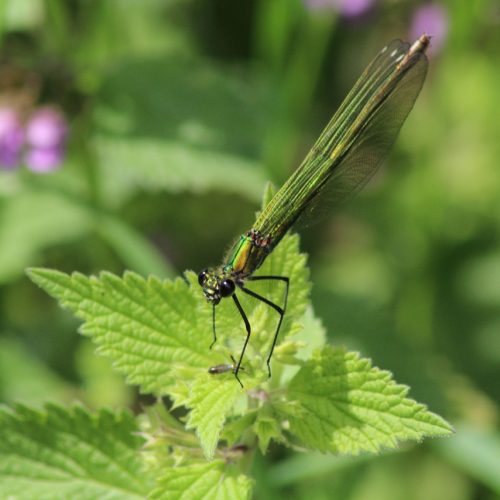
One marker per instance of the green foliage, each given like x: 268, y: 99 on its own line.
x: 70, y: 453
x: 476, y: 452
x: 37, y: 216
x: 178, y: 112
x: 210, y: 401
x: 211, y: 480
x: 24, y: 379
x: 140, y: 324
x: 347, y: 406
x: 33, y: 221
x: 157, y: 334
x: 193, y: 142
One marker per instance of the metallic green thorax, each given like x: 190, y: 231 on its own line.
x: 244, y: 257
x: 237, y: 258
x: 247, y: 254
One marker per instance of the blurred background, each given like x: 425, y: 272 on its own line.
x: 139, y: 134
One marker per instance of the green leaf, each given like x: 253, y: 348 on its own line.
x: 266, y: 427
x: 103, y: 386
x: 475, y: 451
x: 300, y: 346
x: 116, y: 34
x: 168, y: 441
x: 211, y: 480
x: 234, y: 429
x: 25, y: 379
x: 158, y: 332
x: 211, y: 400
x: 183, y: 132
x: 22, y: 15
x: 152, y: 330
x: 70, y: 454
x: 347, y: 406
x: 33, y: 221
x: 307, y: 467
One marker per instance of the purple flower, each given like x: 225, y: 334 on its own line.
x: 43, y: 160
x: 347, y: 8
x: 431, y: 19
x: 46, y: 128
x: 11, y: 138
x: 354, y: 8
x: 46, y: 135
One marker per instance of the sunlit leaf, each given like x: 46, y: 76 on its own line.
x: 70, y: 453
x: 211, y: 480
x: 345, y: 405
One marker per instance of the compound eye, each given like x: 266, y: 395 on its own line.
x: 202, y: 277
x: 226, y: 288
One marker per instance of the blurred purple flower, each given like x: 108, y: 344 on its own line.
x: 43, y: 160
x: 46, y: 128
x: 431, y: 19
x: 11, y: 138
x: 46, y: 135
x: 347, y: 8
x: 354, y: 8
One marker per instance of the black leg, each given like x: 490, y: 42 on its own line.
x: 248, y: 329
x: 234, y: 363
x: 213, y: 326
x: 278, y: 309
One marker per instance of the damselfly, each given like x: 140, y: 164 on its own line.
x: 344, y: 158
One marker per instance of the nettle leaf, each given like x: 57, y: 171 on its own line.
x: 72, y: 452
x: 25, y: 378
x: 211, y: 480
x: 267, y: 427
x: 234, y: 429
x: 345, y: 405
x: 151, y: 329
x: 184, y: 133
x: 158, y: 332
x: 155, y: 330
x: 211, y: 400
x: 299, y: 348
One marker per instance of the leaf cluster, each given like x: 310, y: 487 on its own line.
x: 157, y: 334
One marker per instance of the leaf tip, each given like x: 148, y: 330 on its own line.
x: 39, y: 275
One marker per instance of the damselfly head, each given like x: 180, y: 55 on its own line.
x: 216, y: 285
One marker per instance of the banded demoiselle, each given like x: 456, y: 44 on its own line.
x: 343, y: 159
